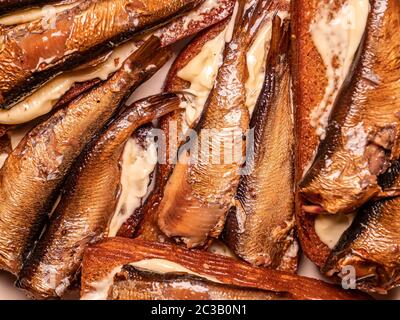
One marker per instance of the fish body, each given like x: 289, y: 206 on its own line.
x: 32, y: 53
x: 260, y: 229
x: 363, y: 132
x: 201, y: 189
x: 371, y: 246
x: 143, y: 223
x: 87, y: 202
x: 35, y: 170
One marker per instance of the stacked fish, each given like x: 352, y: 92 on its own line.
x: 201, y: 191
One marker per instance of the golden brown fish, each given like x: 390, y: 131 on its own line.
x: 32, y: 53
x: 36, y: 168
x: 364, y: 129
x: 260, y: 228
x: 133, y: 284
x: 175, y: 126
x: 105, y: 259
x: 201, y: 189
x: 372, y: 244
x: 87, y: 202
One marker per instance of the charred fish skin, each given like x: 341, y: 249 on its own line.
x: 134, y: 284
x: 260, y: 229
x: 198, y: 195
x: 74, y: 37
x: 39, y: 102
x: 35, y: 170
x: 88, y: 199
x: 363, y: 131
x: 372, y: 243
x: 11, y: 5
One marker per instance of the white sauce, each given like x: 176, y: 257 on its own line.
x: 137, y: 166
x: 101, y: 287
x: 160, y: 266
x: 256, y: 59
x: 202, y: 70
x: 17, y: 134
x: 231, y: 26
x: 3, y: 158
x: 337, y: 39
x: 256, y: 64
x: 330, y: 228
x: 32, y: 14
x: 220, y: 248
x: 42, y: 101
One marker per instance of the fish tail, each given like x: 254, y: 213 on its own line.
x: 149, y: 52
x: 249, y: 18
x: 280, y: 40
x: 157, y: 105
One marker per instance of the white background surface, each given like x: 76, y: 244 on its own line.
x: 153, y: 86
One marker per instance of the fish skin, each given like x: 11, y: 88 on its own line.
x: 260, y: 229
x: 363, y: 132
x: 87, y: 202
x: 79, y: 34
x: 372, y: 243
x: 133, y: 284
x: 35, y: 170
x: 198, y: 195
x: 143, y: 223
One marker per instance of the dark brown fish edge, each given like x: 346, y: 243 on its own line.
x: 380, y: 146
x: 277, y: 71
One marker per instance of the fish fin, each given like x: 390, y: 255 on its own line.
x: 249, y: 20
x: 150, y: 50
x: 156, y: 106
x: 279, y: 40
